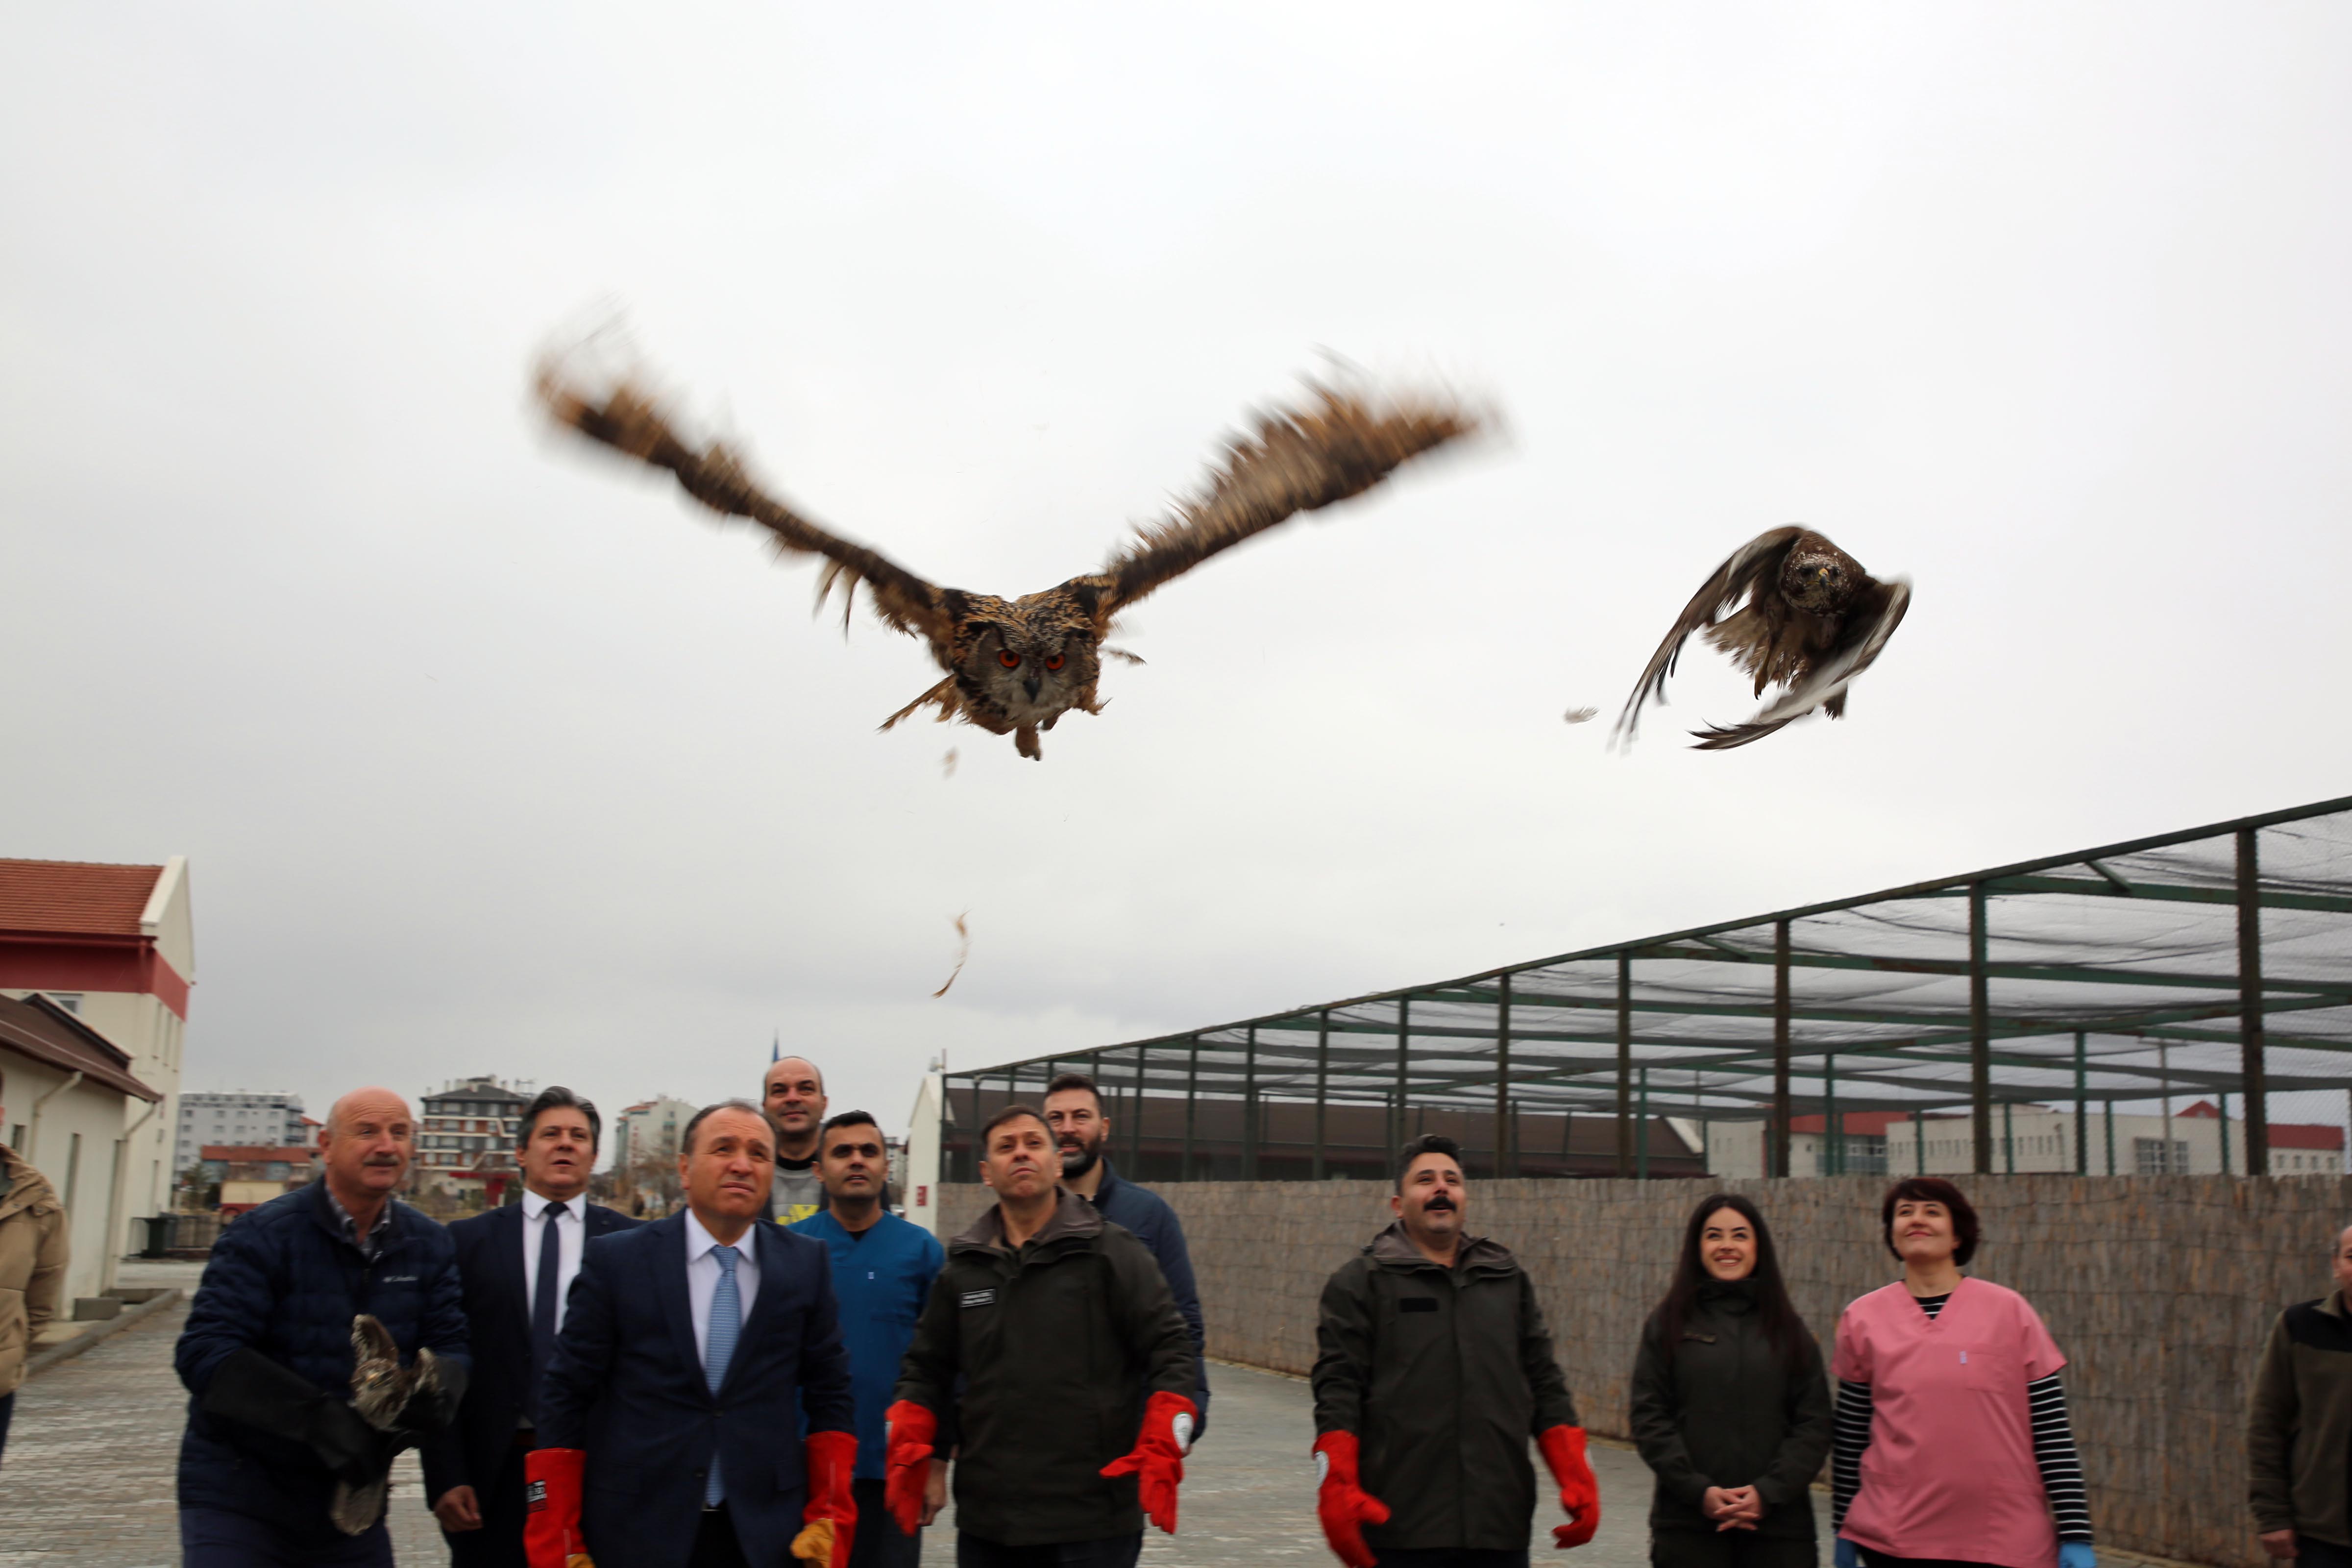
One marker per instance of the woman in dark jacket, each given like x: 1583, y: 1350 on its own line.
x: 1730, y: 1406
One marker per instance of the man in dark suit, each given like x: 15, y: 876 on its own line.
x: 518, y: 1263
x: 666, y: 1411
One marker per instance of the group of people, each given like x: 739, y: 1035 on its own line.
x: 785, y: 1371
x: 781, y: 1371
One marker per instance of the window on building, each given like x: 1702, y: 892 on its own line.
x: 2159, y: 1157
x: 69, y: 1000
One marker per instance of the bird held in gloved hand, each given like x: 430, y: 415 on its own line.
x: 383, y: 1392
x: 1814, y: 619
x: 1016, y: 666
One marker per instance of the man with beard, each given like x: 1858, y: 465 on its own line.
x: 1435, y: 1364
x: 1073, y: 1110
x: 793, y: 1095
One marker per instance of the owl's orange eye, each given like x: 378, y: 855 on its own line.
x: 1009, y: 659
x: 1054, y: 662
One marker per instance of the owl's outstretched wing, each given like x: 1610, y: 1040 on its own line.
x: 1877, y: 612
x: 629, y: 420
x: 1753, y: 563
x: 1296, y: 459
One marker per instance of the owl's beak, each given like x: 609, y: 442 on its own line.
x: 1029, y: 685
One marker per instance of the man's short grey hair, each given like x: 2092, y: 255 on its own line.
x: 686, y: 1142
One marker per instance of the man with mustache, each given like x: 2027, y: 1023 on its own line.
x: 666, y: 1418
x: 267, y: 1353
x: 517, y: 1263
x: 1073, y: 1110
x: 1434, y: 1365
x: 1052, y: 1352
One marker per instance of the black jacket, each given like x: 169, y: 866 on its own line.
x: 2299, y: 1424
x: 498, y: 1327
x: 1721, y: 1408
x: 1443, y: 1376
x: 1059, y: 1345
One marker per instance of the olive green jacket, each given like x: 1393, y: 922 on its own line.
x: 2299, y: 1424
x: 33, y: 1252
x: 1444, y: 1374
x: 1039, y: 1361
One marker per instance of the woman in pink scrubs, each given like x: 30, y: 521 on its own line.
x: 1952, y: 1443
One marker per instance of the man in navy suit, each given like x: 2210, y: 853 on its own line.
x: 666, y: 1414
x: 518, y: 1263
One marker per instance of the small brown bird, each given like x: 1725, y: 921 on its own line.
x: 1016, y: 666
x: 1814, y: 619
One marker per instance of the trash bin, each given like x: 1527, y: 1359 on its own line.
x: 159, y: 1237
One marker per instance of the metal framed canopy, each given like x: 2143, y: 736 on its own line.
x: 2214, y: 961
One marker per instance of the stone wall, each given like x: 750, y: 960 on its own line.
x: 2158, y: 1290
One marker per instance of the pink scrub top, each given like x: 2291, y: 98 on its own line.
x: 1949, y: 1471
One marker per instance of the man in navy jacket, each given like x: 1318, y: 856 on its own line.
x: 267, y: 1353
x: 666, y: 1416
x: 1074, y: 1110
x: 882, y: 1273
x: 518, y: 1263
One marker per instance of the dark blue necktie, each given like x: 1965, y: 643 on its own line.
x: 543, y: 1302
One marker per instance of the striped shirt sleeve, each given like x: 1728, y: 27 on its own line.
x: 1849, y: 1438
x: 2054, y: 1451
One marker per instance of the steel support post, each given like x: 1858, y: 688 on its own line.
x: 2007, y: 1139
x: 1249, y: 1108
x: 1641, y: 1132
x: 1404, y: 1036
x: 2225, y: 1133
x: 1919, y: 1141
x: 1322, y: 1085
x: 1503, y: 1079
x: 1833, y: 1135
x: 1781, y: 1099
x: 2111, y: 1138
x: 2081, y: 1109
x: 1192, y: 1101
x: 1979, y: 1032
x: 2252, y: 1080
x: 1135, y: 1132
x: 1624, y: 1064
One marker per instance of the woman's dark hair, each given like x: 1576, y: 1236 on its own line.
x: 1775, y: 1313
x: 1932, y: 1190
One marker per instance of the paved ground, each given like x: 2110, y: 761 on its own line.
x: 89, y: 1468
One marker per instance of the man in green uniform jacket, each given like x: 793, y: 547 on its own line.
x: 1077, y: 1372
x: 1434, y: 1371
x: 2299, y: 1428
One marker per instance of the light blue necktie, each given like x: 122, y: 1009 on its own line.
x: 726, y: 1327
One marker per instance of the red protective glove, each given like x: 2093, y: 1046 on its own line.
x: 1580, y: 1494
x: 550, y: 1520
x: 1341, y: 1502
x: 907, y: 1456
x: 829, y: 1519
x: 1158, y: 1458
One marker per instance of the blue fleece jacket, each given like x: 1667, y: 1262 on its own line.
x: 881, y: 1278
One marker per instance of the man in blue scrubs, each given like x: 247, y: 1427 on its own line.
x: 882, y: 1272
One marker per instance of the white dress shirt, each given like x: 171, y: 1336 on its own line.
x: 702, y: 1278
x: 571, y: 1237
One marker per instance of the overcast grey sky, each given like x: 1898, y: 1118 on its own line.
x: 491, y: 756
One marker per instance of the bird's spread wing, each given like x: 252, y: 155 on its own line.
x: 1878, y: 611
x: 630, y: 420
x: 1755, y: 563
x: 1341, y: 444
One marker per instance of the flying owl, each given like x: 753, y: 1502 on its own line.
x: 1814, y: 619
x: 1016, y: 666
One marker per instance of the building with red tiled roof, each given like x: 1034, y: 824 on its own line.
x: 113, y: 946
x: 71, y: 1106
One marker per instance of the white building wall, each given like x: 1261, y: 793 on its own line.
x: 918, y: 1174
x: 71, y: 1140
x: 235, y: 1117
